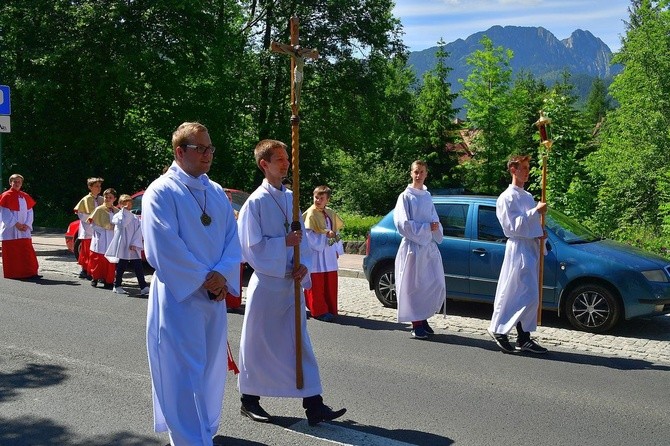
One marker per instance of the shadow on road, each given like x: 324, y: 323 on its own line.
x: 370, y: 324
x: 45, y: 281
x: 655, y: 328
x: 230, y: 441
x: 32, y: 376
x: 30, y: 431
x: 553, y: 355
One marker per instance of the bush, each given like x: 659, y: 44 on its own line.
x: 356, y: 226
x: 645, y: 238
x: 52, y: 216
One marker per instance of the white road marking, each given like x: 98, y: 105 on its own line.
x: 337, y: 434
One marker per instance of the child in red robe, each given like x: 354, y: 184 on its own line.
x: 18, y: 255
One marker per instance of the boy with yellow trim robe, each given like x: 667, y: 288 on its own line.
x: 322, y: 229
x: 103, y: 231
x: 84, y: 208
x: 267, y: 348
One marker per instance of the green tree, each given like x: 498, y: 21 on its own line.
x: 372, y: 157
x: 100, y: 85
x: 527, y: 99
x: 435, y: 114
x: 630, y: 168
x: 343, y: 92
x: 487, y: 92
x: 598, y: 103
x: 565, y: 167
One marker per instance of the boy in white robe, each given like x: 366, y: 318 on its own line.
x: 322, y: 226
x: 517, y: 295
x: 190, y: 238
x: 126, y: 246
x: 84, y: 208
x: 103, y: 232
x: 267, y: 348
x: 419, y: 274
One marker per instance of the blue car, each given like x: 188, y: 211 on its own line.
x: 594, y: 283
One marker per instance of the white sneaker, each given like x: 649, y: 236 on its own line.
x: 144, y: 291
x: 119, y: 290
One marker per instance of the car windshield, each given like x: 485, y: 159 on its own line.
x: 137, y: 205
x: 568, y: 229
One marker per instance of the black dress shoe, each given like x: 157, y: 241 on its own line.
x: 255, y: 412
x: 322, y: 413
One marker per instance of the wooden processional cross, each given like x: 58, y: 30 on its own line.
x: 298, y: 56
x: 545, y: 140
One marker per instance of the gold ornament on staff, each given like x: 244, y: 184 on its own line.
x: 298, y: 56
x: 545, y: 140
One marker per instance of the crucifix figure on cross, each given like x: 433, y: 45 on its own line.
x: 298, y: 56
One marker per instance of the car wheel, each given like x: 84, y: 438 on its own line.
x: 75, y: 248
x: 384, y: 286
x: 592, y: 308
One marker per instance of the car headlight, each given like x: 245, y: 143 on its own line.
x: 655, y: 275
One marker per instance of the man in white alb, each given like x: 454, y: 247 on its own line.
x: 517, y: 294
x: 267, y: 347
x: 190, y: 238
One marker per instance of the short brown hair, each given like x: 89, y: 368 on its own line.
x: 182, y: 135
x: 109, y: 191
x: 318, y: 190
x: 125, y: 198
x: 264, y: 148
x: 421, y: 163
x: 515, y: 160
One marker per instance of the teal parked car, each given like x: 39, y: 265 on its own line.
x: 594, y: 283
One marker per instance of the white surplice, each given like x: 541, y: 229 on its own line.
x: 267, y: 347
x: 324, y: 255
x: 419, y: 274
x: 517, y: 293
x: 127, y: 233
x: 10, y: 218
x: 102, y: 235
x: 186, y: 331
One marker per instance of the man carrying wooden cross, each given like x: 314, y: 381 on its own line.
x: 276, y: 355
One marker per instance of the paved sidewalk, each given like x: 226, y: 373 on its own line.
x: 641, y: 339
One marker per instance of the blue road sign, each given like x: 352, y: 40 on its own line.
x: 5, y: 108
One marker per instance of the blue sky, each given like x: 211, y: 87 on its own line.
x: 426, y: 21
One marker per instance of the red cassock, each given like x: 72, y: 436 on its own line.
x: 19, y: 260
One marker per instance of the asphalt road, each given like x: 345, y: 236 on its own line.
x: 73, y: 371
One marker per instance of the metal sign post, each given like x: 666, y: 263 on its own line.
x: 5, y: 124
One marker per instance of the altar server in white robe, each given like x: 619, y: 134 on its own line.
x: 419, y: 274
x: 267, y: 348
x: 103, y: 233
x: 190, y: 238
x: 517, y: 294
x: 126, y: 246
